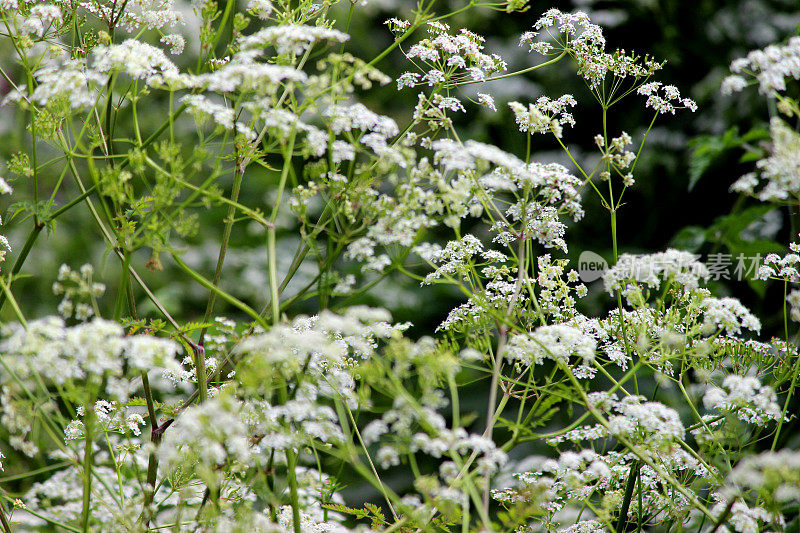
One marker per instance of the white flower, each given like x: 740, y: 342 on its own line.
x: 293, y: 39
x: 137, y: 59
x: 746, y: 397
x: 176, y: 43
x: 733, y: 84
x: 779, y: 172
x: 544, y: 115
x: 676, y: 265
x: 557, y: 342
x: 41, y: 17
x: 486, y: 100
x: 770, y: 67
x: 5, y: 188
x: 71, y: 81
x: 261, y: 8
x: 729, y: 314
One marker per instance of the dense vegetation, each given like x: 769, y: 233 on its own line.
x: 399, y: 266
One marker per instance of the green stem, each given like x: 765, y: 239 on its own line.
x: 273, y: 275
x: 221, y: 293
x: 155, y: 439
x: 88, y: 465
x: 4, y: 519
x: 795, y: 372
x: 622, y: 521
x: 223, y: 248
x: 14, y: 305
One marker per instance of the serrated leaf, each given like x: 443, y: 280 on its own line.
x: 341, y: 508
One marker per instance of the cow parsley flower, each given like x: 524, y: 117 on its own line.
x: 745, y: 397
x: 665, y: 98
x: 784, y: 268
x: 545, y: 115
x: 454, y: 259
x: 69, y: 81
x: 557, y: 342
x: 770, y: 67
x: 291, y: 39
x: 138, y: 59
x: 261, y: 8
x: 452, y: 59
x: 779, y: 172
x: 672, y: 265
x: 487, y: 101
x: 728, y: 314
x: 176, y: 43
x: 212, y: 434
x: 576, y: 34
x: 40, y: 19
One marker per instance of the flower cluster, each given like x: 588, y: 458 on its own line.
x: 779, y: 172
x: 557, y: 342
x: 450, y: 59
x: 575, y: 34
x: 770, y: 67
x: 682, y: 268
x: 545, y: 115
x: 746, y: 397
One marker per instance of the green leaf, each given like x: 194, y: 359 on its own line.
x: 690, y: 238
x: 341, y: 508
x: 706, y: 149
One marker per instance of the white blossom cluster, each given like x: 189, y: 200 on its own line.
x: 574, y: 477
x: 775, y: 474
x: 109, y: 416
x: 778, y: 175
x: 618, y: 155
x: 545, y: 115
x: 79, y: 291
x: 211, y: 434
x: 96, y: 353
x: 576, y: 34
x: 728, y: 314
x: 449, y: 59
x: 558, y: 343
x: 746, y: 398
x: 770, y: 67
x: 773, y: 477
x: 671, y: 265
x: 291, y: 39
x: 665, y: 98
x: 784, y: 268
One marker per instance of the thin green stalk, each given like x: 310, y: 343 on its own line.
x: 88, y: 465
x: 223, y: 248
x: 343, y: 404
x: 32, y: 473
x: 14, y: 304
x: 273, y: 274
x: 221, y: 293
x: 155, y: 438
x: 795, y: 372
x: 4, y: 519
x: 287, y: 163
x: 622, y: 521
